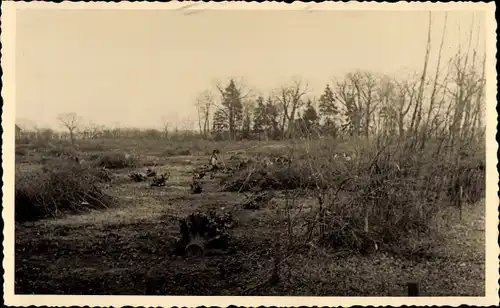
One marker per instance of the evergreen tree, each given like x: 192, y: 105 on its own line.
x: 310, y: 117
x: 246, y: 125
x: 232, y: 109
x: 259, y: 118
x: 220, y: 123
x: 271, y: 120
x: 328, y: 111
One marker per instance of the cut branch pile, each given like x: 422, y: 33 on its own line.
x: 160, y: 181
x: 138, y: 177
x: 150, y: 172
x: 262, y: 177
x: 102, y: 174
x: 116, y: 161
x: 255, y: 201
x: 196, y: 187
x: 61, y: 188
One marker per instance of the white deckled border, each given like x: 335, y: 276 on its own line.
x: 8, y: 119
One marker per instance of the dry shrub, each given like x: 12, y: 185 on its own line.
x: 40, y: 144
x: 380, y: 210
x: 21, y: 151
x: 254, y: 202
x: 57, y: 188
x: 101, y: 174
x: 94, y: 156
x: 470, y: 176
x: 176, y: 152
x: 91, y: 146
x: 394, y: 194
x: 296, y: 175
x: 138, y: 177
x: 386, y: 197
x: 160, y: 180
x: 25, y: 146
x: 63, y: 151
x: 116, y: 161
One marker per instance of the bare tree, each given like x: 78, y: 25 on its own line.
x: 386, y: 118
x: 71, y: 121
x: 45, y: 133
x: 477, y: 128
x: 204, y: 103
x: 427, y: 127
x: 165, y: 125
x: 93, y: 130
x: 367, y: 86
x: 246, y: 123
x: 358, y: 93
x: 290, y: 99
x: 418, y: 107
x: 405, y: 100
x: 466, y: 85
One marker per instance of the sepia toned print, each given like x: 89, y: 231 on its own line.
x: 249, y: 154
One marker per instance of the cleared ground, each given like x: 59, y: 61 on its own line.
x: 124, y: 249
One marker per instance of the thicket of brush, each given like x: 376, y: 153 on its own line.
x: 60, y: 187
x: 176, y: 152
x: 395, y: 196
x: 115, y: 161
x: 385, y: 197
x: 263, y: 177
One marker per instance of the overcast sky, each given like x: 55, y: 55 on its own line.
x: 134, y: 67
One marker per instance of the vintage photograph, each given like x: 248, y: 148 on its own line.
x: 199, y: 149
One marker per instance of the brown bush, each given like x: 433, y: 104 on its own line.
x: 116, y: 161
x: 57, y: 188
x: 274, y: 177
x: 176, y: 152
x: 394, y: 195
x: 61, y: 151
x: 385, y: 197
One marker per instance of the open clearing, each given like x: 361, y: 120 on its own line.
x: 125, y: 249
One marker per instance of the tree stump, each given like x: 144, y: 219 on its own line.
x: 412, y: 289
x: 203, y: 231
x: 196, y: 187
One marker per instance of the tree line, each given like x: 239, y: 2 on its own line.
x: 362, y: 104
x: 446, y: 103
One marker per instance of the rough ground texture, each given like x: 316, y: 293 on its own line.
x: 124, y: 250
